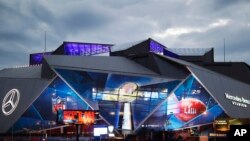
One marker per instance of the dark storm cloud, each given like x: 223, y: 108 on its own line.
x: 237, y: 42
x: 121, y: 4
x: 17, y: 38
x: 175, y: 23
x: 41, y: 13
x: 82, y: 19
x: 219, y: 4
x: 207, y: 23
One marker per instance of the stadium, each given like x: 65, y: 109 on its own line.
x: 139, y: 87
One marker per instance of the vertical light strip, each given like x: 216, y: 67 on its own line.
x: 127, y: 122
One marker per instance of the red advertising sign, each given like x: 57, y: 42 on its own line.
x: 190, y: 108
x: 76, y: 117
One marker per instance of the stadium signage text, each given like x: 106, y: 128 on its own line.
x: 238, y: 101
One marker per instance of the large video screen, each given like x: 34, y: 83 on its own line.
x: 191, y: 105
x: 76, y: 117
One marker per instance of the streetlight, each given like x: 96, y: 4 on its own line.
x: 50, y: 124
x: 167, y: 123
x: 110, y: 130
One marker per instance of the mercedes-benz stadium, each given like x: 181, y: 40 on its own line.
x: 141, y: 89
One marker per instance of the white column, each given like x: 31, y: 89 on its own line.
x: 127, y: 121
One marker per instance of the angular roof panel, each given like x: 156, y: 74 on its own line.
x: 190, y: 51
x: 23, y: 72
x: 222, y: 87
x: 105, y: 64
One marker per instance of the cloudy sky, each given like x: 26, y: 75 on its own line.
x: 174, y: 23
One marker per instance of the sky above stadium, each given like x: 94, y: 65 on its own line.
x: 174, y: 23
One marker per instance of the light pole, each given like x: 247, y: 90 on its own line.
x: 215, y: 129
x: 110, y: 131
x: 167, y: 123
x: 12, y: 133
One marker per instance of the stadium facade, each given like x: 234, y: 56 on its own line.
x: 133, y: 86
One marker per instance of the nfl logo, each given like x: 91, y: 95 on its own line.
x: 58, y: 103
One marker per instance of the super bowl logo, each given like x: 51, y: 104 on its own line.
x: 58, y: 103
x: 190, y: 108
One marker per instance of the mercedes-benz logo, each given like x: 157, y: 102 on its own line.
x: 10, y: 102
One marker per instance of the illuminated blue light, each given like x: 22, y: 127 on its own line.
x: 160, y: 49
x: 85, y: 49
x: 156, y: 47
x: 170, y: 54
x: 36, y: 59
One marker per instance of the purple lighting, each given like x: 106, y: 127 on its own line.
x: 85, y: 49
x: 160, y: 49
x: 36, y: 59
x: 156, y: 47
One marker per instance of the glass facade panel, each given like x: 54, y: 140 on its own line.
x: 42, y: 113
x: 36, y: 58
x: 85, y: 49
x: 112, y: 91
x: 189, y: 105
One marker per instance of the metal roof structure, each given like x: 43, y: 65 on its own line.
x: 22, y: 72
x: 110, y: 64
x: 124, y: 46
x: 190, y: 51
